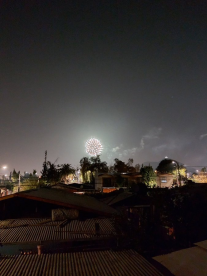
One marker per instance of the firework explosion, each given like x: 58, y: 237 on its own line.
x: 93, y: 147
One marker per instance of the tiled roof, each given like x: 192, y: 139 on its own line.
x: 104, y: 263
x: 31, y: 230
x: 59, y: 197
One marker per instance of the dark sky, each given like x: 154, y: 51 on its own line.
x: 130, y: 73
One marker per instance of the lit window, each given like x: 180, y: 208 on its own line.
x: 163, y: 179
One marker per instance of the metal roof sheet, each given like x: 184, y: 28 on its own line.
x: 31, y: 230
x: 106, y: 263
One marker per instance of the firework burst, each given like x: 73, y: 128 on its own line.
x: 93, y: 147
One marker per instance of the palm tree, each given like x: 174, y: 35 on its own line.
x: 85, y: 167
x: 65, y: 170
x: 89, y: 165
x: 96, y: 164
x: 52, y: 174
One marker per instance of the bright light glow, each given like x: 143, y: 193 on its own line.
x: 4, y: 167
x: 93, y: 147
x: 79, y: 193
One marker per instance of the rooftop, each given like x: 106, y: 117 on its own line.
x: 106, y: 263
x: 190, y: 261
x: 35, y: 230
x: 110, y: 200
x: 61, y: 198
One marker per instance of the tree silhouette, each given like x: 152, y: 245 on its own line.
x: 90, y: 165
x: 148, y: 175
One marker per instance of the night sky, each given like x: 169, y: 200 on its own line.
x: 130, y: 73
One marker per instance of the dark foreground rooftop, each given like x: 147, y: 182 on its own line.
x: 35, y: 230
x: 186, y: 262
x: 61, y: 198
x: 104, y: 263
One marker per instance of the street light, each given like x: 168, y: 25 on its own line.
x: 3, y: 168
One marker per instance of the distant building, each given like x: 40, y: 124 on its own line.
x: 4, y: 192
x: 164, y: 180
x: 199, y: 177
x: 108, y: 182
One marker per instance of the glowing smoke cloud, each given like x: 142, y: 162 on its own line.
x: 93, y: 147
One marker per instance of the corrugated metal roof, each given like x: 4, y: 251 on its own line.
x: 55, y: 196
x: 30, y: 230
x: 106, y: 263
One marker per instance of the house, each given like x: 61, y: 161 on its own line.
x: 57, y: 220
x: 108, y: 182
x: 138, y: 209
x: 39, y: 203
x: 4, y: 191
x: 164, y: 180
x: 50, y: 231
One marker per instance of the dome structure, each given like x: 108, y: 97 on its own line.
x: 167, y: 165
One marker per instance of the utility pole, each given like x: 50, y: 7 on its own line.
x: 19, y: 183
x: 44, y: 171
x: 45, y: 156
